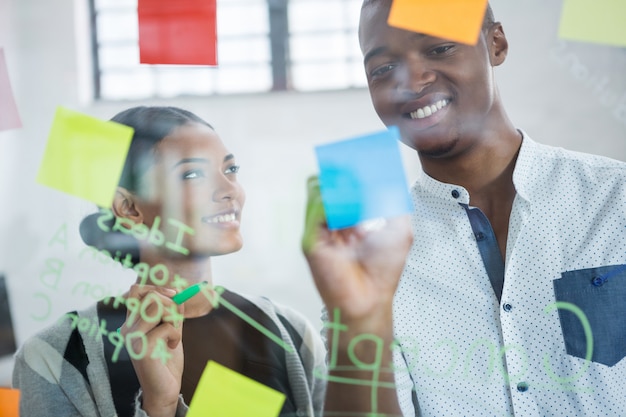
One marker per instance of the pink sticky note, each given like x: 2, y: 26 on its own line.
x: 9, y: 116
x: 179, y: 32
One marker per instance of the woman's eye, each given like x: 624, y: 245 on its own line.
x: 441, y: 49
x: 233, y: 169
x: 192, y: 174
x: 382, y: 70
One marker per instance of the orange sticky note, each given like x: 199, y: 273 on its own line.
x: 456, y: 20
x: 223, y: 392
x: 85, y: 156
x: 597, y: 21
x: 9, y: 402
x: 9, y: 117
x: 182, y: 32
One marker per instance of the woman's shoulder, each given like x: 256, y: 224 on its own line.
x: 48, y: 351
x: 294, y: 325
x: 274, y: 309
x: 56, y: 336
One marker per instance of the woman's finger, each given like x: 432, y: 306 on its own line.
x: 167, y: 332
x: 146, y: 308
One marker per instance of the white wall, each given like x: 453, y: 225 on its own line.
x: 548, y: 87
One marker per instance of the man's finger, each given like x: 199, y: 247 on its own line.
x: 315, y: 216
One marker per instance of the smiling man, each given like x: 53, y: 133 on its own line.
x: 513, y: 295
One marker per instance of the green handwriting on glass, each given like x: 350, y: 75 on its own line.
x: 136, y: 343
x: 140, y: 231
x: 452, y: 349
x: 140, y: 309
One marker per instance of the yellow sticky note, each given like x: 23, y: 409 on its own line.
x: 222, y: 392
x: 456, y: 20
x: 598, y: 21
x: 85, y: 156
x: 9, y: 402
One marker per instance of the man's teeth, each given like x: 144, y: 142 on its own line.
x: 429, y: 110
x: 220, y: 219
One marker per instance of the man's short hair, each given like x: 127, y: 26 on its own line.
x: 488, y: 19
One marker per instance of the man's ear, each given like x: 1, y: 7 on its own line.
x: 497, y: 44
x: 125, y: 205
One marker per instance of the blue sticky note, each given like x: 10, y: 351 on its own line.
x: 362, y: 179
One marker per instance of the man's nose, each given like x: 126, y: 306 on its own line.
x: 415, y: 75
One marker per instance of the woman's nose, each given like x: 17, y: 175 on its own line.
x: 225, y: 189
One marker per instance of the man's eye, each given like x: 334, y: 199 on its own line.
x: 233, y: 169
x: 441, y: 49
x: 382, y: 70
x: 192, y: 174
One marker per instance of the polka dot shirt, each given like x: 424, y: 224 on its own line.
x: 554, y: 343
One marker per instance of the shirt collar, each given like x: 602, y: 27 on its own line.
x: 524, y: 173
x: 523, y: 176
x: 452, y: 192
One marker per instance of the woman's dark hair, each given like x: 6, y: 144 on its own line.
x: 151, y: 125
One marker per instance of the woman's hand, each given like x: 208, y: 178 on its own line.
x: 357, y: 269
x: 158, y: 357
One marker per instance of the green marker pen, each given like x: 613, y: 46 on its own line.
x: 185, y: 294
x: 188, y: 292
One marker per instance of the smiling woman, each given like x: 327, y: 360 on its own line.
x: 179, y: 170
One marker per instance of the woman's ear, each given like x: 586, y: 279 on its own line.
x: 497, y: 44
x: 125, y: 205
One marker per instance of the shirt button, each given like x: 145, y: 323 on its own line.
x: 597, y: 281
x: 522, y: 387
x: 480, y: 236
x: 507, y: 307
x: 456, y: 193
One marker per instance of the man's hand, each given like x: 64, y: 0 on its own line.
x: 356, y: 272
x: 355, y: 269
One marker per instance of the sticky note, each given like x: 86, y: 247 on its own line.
x: 222, y: 392
x: 84, y: 156
x: 456, y: 20
x: 362, y: 178
x: 9, y: 402
x: 9, y: 116
x: 182, y: 32
x: 597, y: 21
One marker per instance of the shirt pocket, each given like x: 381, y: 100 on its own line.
x: 600, y: 294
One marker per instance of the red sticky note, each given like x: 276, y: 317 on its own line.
x: 9, y: 402
x: 181, y: 32
x: 456, y: 20
x: 9, y: 117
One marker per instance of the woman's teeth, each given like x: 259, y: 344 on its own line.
x: 429, y: 110
x: 220, y: 219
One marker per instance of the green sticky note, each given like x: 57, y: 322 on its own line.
x: 85, y: 156
x: 222, y: 392
x: 597, y: 21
